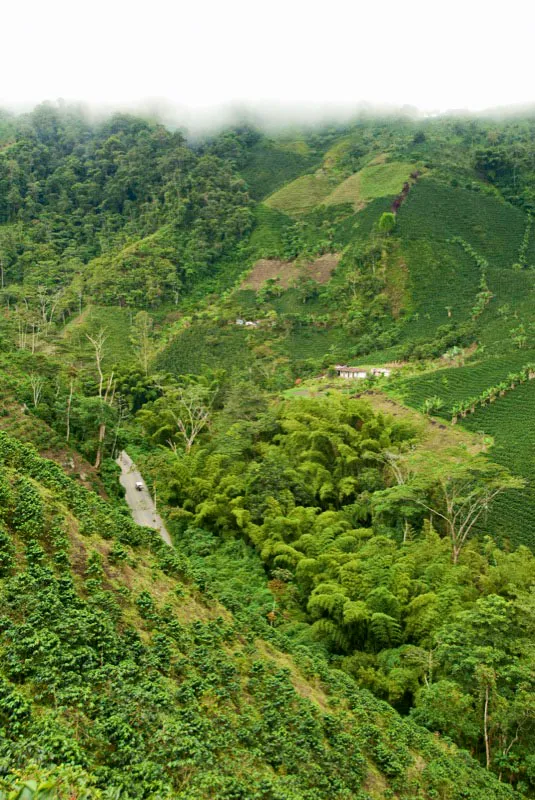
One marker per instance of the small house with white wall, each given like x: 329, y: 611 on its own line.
x: 353, y: 373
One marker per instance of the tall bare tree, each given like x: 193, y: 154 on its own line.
x: 460, y: 492
x: 141, y: 338
x: 106, y: 402
x: 72, y: 376
x: 47, y: 302
x: 179, y: 416
x: 98, y: 340
x: 37, y: 383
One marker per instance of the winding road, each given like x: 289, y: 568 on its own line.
x: 140, y: 502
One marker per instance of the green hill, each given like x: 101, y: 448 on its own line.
x: 341, y: 576
x: 269, y: 165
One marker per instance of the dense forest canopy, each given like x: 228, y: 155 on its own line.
x: 347, y: 609
x: 124, y: 187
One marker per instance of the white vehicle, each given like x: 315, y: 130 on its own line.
x: 139, y: 486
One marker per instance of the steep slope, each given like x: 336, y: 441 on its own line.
x: 115, y: 660
x: 270, y: 164
x: 302, y: 194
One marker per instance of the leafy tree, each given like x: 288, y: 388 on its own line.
x: 141, y: 336
x: 180, y: 415
x: 387, y: 222
x: 460, y: 491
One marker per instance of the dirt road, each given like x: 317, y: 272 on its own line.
x: 141, y: 503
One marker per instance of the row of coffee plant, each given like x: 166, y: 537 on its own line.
x: 469, y: 406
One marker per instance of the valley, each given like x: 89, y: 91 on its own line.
x: 337, y: 601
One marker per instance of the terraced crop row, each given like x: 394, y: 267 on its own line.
x: 206, y: 346
x: 509, y: 421
x: 493, y: 228
x: 456, y: 384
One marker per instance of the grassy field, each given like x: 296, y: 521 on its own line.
x: 302, y: 194
x: 337, y: 150
x: 378, y: 180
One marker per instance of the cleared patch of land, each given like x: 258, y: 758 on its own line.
x: 302, y: 194
x: 295, y: 146
x: 285, y: 272
x: 349, y: 191
x: 322, y: 268
x: 376, y: 180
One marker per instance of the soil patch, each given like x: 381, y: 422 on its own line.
x: 287, y: 272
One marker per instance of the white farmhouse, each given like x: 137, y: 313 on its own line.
x: 354, y: 373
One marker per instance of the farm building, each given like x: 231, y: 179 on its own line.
x: 381, y: 372
x: 357, y: 373
x: 350, y: 372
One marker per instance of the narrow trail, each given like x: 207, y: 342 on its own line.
x: 140, y: 502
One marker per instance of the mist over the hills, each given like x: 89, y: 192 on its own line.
x: 268, y: 117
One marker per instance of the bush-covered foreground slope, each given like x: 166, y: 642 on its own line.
x: 118, y: 665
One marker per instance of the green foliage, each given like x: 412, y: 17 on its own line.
x: 326, y: 536
x: 494, y: 396
x: 122, y: 211
x: 159, y: 693
x: 432, y: 404
x: 387, y: 222
x: 313, y: 491
x: 377, y: 180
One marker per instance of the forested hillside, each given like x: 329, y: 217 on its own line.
x: 347, y: 610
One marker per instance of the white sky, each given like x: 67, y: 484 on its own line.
x: 203, y: 53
